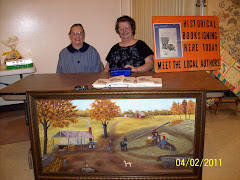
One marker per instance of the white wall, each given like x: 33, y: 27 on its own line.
x: 42, y: 26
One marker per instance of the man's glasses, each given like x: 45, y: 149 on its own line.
x: 75, y: 33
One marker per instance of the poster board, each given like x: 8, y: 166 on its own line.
x: 186, y: 43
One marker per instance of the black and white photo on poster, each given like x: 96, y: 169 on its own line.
x: 167, y: 40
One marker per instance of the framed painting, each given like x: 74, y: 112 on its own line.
x: 117, y: 134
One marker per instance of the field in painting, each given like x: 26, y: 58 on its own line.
x: 142, y: 156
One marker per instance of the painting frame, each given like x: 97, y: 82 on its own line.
x: 195, y: 171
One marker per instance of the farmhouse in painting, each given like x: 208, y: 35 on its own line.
x: 80, y: 139
x: 128, y: 115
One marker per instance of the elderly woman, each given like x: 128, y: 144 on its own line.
x: 130, y: 52
x: 78, y: 57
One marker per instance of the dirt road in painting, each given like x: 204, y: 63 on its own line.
x: 104, y: 161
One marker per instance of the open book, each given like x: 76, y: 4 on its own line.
x: 100, y: 83
x: 122, y: 81
x: 116, y: 80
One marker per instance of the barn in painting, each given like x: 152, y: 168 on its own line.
x: 140, y: 115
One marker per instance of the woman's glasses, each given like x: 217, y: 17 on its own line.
x: 77, y: 33
x: 127, y: 28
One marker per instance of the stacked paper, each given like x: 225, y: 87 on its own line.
x: 100, y: 83
x: 122, y: 81
x: 116, y: 80
x: 157, y: 82
x: 129, y: 80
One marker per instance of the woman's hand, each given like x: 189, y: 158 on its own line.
x: 133, y: 69
x: 106, y: 69
x: 148, y: 66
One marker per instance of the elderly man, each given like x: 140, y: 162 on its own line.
x: 78, y: 57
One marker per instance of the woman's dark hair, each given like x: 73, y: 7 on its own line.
x: 76, y: 25
x: 126, y: 19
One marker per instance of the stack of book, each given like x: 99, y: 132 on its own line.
x: 122, y: 81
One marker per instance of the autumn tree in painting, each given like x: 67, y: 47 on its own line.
x: 177, y: 109
x: 55, y: 113
x: 128, y: 112
x: 190, y: 107
x: 83, y: 113
x: 184, y: 106
x: 104, y: 110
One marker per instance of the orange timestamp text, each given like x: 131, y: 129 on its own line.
x: 198, y: 162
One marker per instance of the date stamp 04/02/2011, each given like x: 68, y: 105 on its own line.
x: 198, y: 162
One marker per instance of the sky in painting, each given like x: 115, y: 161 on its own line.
x: 135, y: 104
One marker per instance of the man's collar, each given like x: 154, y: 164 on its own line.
x: 71, y: 49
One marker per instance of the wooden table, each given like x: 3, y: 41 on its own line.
x: 9, y: 72
x: 196, y: 80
